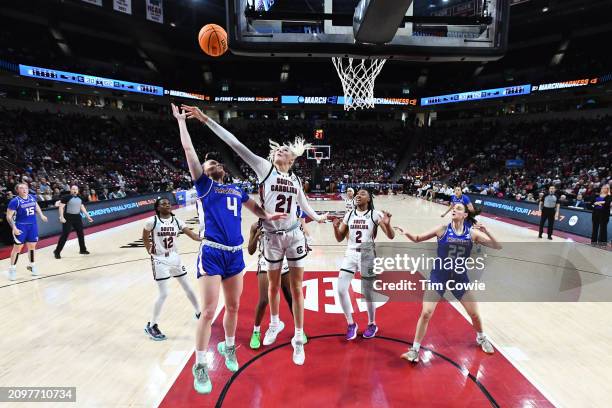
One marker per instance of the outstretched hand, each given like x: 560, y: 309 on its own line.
x: 276, y: 216
x: 323, y: 218
x: 179, y: 115
x: 193, y: 112
x: 400, y: 230
x: 386, y: 219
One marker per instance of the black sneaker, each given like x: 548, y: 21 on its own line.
x: 86, y: 252
x: 57, y: 255
x: 160, y: 335
x: 152, y: 332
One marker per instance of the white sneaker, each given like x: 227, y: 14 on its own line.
x: 34, y: 270
x: 298, y: 352
x: 485, y: 344
x: 12, y: 274
x: 272, y: 332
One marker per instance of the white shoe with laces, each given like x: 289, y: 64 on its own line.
x: 485, y: 344
x: 12, y: 274
x: 272, y: 332
x: 298, y: 351
x: 33, y: 270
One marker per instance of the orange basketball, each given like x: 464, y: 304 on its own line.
x: 213, y: 40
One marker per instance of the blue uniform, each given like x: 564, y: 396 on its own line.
x: 222, y: 214
x: 465, y: 200
x: 25, y: 219
x: 452, y: 247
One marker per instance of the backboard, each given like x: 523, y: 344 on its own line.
x: 321, y: 152
x: 431, y: 30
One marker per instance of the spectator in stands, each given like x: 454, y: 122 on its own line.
x: 93, y: 196
x: 579, y: 202
x: 530, y: 198
x: 104, y: 195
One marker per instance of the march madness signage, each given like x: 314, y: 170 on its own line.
x: 155, y: 11
x: 570, y: 220
x: 123, y: 6
x: 105, y: 211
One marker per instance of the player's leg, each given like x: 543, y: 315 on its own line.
x: 427, y: 311
x: 184, y: 282
x: 286, y: 286
x: 209, y: 286
x: 260, y: 309
x: 152, y: 328
x: 78, y: 227
x: 12, y: 272
x: 276, y: 325
x: 232, y: 289
x: 471, y: 307
x: 296, y: 277
x: 31, y: 255
x: 367, y: 285
x: 345, y: 277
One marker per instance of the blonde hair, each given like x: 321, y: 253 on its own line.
x: 297, y: 148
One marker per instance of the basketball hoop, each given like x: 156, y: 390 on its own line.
x: 358, y: 77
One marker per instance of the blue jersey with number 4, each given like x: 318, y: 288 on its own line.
x: 222, y: 208
x: 25, y: 209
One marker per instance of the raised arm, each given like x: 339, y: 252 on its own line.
x: 481, y: 235
x: 260, y: 165
x: 195, y: 168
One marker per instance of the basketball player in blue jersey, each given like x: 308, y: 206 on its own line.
x: 21, y: 216
x: 458, y: 198
x: 280, y: 190
x: 455, y: 241
x: 220, y: 262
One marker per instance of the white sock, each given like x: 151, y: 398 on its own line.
x: 32, y: 263
x: 256, y: 329
x: 416, y: 346
x: 201, y: 357
x: 274, y: 320
x: 229, y: 341
x: 299, y: 334
x: 12, y: 267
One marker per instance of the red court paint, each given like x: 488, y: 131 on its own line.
x: 454, y: 373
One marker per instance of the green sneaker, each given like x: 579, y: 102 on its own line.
x: 201, y: 380
x: 255, y: 340
x: 231, y: 362
x: 305, y: 338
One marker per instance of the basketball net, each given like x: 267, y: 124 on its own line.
x: 358, y: 77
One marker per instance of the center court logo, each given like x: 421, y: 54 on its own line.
x: 330, y: 303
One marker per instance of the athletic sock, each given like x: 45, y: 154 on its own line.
x: 416, y: 346
x: 229, y: 341
x: 274, y: 320
x: 299, y: 334
x: 16, y: 259
x: 201, y: 357
x: 32, y: 257
x: 256, y: 329
x: 480, y: 336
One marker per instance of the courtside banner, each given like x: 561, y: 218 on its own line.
x: 104, y: 211
x: 571, y: 220
x: 123, y: 6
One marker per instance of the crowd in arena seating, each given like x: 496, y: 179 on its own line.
x: 573, y: 155
x: 107, y: 159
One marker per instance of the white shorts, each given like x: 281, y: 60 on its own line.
x: 262, y: 266
x: 291, y: 245
x: 166, y: 267
x: 362, y: 262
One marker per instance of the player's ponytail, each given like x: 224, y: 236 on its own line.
x: 472, y: 215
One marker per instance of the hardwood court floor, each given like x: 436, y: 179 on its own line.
x: 81, y: 323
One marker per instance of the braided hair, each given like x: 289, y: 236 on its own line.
x: 156, y: 206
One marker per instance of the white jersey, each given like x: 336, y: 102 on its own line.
x: 362, y: 228
x: 200, y: 211
x: 279, y: 193
x: 164, y: 232
x: 349, y: 203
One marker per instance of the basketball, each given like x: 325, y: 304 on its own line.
x: 213, y: 40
